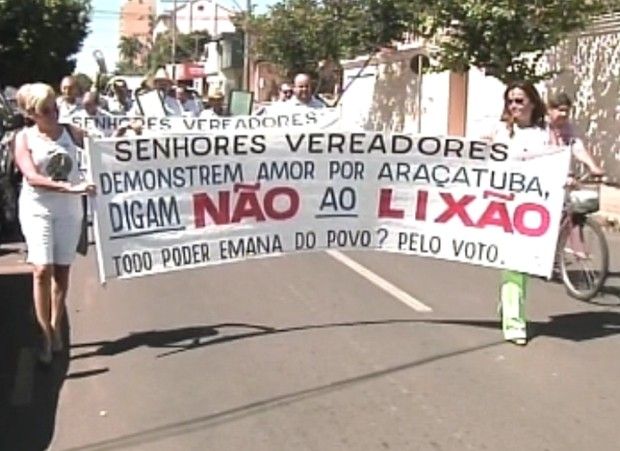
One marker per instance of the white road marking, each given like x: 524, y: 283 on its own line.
x: 379, y: 281
x: 24, y: 378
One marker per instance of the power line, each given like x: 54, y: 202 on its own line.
x: 108, y: 15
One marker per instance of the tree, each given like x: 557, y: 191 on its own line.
x: 505, y: 37
x: 299, y: 34
x: 38, y: 38
x: 130, y: 48
x: 189, y: 47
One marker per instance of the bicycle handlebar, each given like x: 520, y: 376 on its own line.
x: 593, y: 180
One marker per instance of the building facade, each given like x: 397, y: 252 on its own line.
x: 220, y: 57
x: 137, y: 20
x: 388, y: 94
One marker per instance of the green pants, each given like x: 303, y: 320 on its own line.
x: 513, y: 293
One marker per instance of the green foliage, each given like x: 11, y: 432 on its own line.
x: 38, y: 39
x: 188, y: 47
x: 298, y: 34
x: 505, y: 37
x: 130, y: 49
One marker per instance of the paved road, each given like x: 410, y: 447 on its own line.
x: 305, y: 353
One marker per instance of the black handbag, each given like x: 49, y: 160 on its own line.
x: 82, y: 245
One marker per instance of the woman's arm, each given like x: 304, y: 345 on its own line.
x: 584, y: 156
x: 77, y: 134
x: 23, y: 159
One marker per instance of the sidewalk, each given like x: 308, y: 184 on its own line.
x: 13, y: 259
x: 610, y: 207
x: 17, y: 370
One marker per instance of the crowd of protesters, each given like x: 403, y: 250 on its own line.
x: 50, y: 210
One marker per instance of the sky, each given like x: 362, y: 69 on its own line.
x: 104, y: 30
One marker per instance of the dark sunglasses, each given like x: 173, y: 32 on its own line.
x: 48, y: 111
x: 517, y: 101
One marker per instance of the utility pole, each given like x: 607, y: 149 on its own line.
x: 174, y: 40
x: 191, y: 16
x: 246, y: 47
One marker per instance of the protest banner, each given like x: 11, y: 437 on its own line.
x: 296, y: 118
x: 177, y: 201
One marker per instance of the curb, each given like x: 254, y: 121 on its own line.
x: 13, y: 259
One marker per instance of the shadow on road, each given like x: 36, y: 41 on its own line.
x: 609, y: 295
x: 28, y: 392
x: 611, y: 291
x: 143, y: 438
x: 576, y: 327
x: 171, y: 338
x: 580, y: 326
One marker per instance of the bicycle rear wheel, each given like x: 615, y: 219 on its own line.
x: 584, y: 258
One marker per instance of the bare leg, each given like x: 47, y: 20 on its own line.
x: 42, y: 276
x: 60, y: 287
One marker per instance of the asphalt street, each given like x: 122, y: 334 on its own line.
x: 321, y: 351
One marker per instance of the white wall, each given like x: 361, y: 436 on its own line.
x: 386, y: 97
x: 485, y: 104
x: 204, y: 15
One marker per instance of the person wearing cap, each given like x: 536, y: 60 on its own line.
x: 215, y: 104
x: 163, y: 83
x: 161, y: 80
x: 187, y: 102
x: 120, y: 101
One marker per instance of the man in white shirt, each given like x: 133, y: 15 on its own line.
x: 299, y: 96
x: 302, y: 93
x: 163, y: 83
x: 215, y: 104
x: 68, y: 102
x: 94, y: 120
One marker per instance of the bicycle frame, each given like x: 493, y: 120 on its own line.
x: 575, y: 240
x: 576, y: 252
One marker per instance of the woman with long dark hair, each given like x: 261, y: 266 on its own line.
x: 523, y: 127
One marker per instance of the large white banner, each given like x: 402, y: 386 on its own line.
x: 176, y: 202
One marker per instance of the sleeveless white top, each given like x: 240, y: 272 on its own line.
x: 526, y: 141
x: 58, y: 160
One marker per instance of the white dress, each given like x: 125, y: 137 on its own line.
x: 51, y: 220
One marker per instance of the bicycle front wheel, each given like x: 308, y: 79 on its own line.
x: 584, y: 258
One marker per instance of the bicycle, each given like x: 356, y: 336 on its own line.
x: 583, y: 252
